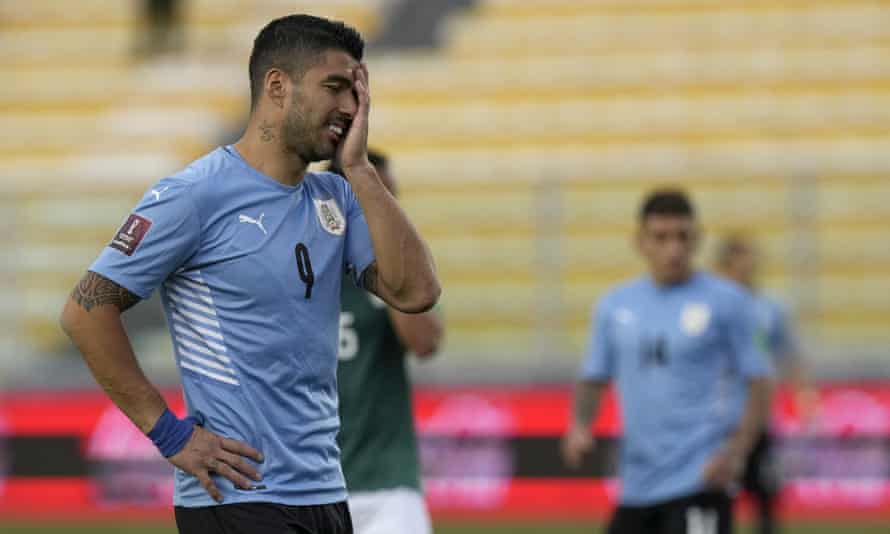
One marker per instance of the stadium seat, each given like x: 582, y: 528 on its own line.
x: 523, y: 146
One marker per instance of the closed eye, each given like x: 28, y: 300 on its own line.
x: 336, y: 83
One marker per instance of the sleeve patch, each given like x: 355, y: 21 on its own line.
x: 132, y: 232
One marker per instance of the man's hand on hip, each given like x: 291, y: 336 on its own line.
x: 576, y: 444
x: 206, y: 453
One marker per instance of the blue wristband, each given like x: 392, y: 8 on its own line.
x: 170, y: 433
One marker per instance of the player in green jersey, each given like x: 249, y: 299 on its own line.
x: 377, y: 437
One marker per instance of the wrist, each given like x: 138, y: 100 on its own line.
x: 738, y: 446
x: 580, y: 427
x: 360, y: 168
x: 170, y: 433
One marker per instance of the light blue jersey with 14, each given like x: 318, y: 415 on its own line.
x: 249, y: 271
x: 677, y: 354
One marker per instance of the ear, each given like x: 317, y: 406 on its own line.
x: 277, y: 86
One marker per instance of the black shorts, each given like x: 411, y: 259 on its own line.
x: 265, y: 518
x: 703, y: 513
x: 761, y: 475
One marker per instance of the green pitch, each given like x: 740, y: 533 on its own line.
x: 493, y: 528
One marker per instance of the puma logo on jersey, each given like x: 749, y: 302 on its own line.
x: 256, y: 222
x: 157, y: 193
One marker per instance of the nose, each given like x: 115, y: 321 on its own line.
x: 348, y: 103
x: 676, y: 249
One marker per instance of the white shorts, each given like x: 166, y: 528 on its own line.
x: 393, y: 511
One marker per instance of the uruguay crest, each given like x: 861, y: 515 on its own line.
x: 329, y: 216
x: 695, y: 318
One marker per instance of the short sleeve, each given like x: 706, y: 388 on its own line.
x: 745, y: 340
x: 359, y: 248
x: 156, y: 239
x: 783, y: 338
x: 599, y: 361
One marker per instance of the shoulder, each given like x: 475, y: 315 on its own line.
x: 723, y: 288
x: 773, y: 305
x: 726, y: 296
x: 200, y: 176
x: 621, y: 293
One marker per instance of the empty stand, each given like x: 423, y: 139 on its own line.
x: 524, y: 147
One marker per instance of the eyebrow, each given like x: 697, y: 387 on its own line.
x: 339, y: 78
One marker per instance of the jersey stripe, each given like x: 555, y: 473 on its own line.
x: 178, y: 299
x: 197, y: 338
x: 186, y: 292
x: 199, y: 329
x: 195, y: 316
x: 217, y: 376
x: 205, y: 361
x: 194, y: 321
x: 198, y: 286
x: 195, y: 346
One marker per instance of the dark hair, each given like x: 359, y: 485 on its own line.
x: 378, y: 160
x: 667, y: 202
x: 293, y: 42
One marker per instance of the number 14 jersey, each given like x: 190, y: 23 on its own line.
x: 249, y: 272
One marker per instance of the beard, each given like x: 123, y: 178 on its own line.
x: 302, y: 136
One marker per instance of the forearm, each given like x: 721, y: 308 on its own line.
x: 586, y: 402
x: 101, y: 339
x: 755, y: 417
x: 421, y: 332
x: 404, y: 263
x: 805, y: 395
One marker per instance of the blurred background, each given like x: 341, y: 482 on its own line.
x: 524, y: 134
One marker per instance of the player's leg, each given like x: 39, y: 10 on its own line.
x: 704, y: 513
x: 264, y: 518
x: 761, y: 480
x: 324, y: 519
x: 766, y: 513
x: 244, y: 518
x: 634, y: 519
x: 395, y: 511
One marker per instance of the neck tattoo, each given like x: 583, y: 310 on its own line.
x: 267, y: 133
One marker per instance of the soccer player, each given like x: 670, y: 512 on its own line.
x: 677, y: 342
x: 737, y: 259
x: 377, y: 437
x: 249, y: 251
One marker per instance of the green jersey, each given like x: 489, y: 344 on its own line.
x: 377, y: 440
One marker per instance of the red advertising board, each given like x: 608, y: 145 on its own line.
x: 486, y: 451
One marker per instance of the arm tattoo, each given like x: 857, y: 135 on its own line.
x: 369, y: 278
x: 95, y: 290
x: 267, y: 134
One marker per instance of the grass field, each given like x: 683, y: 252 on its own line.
x: 493, y: 528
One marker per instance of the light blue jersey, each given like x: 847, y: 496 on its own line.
x: 249, y: 271
x: 677, y: 353
x: 778, y: 334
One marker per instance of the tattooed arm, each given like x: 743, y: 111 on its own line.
x: 91, y: 318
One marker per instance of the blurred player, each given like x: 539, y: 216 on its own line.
x: 737, y: 259
x: 249, y: 251
x: 377, y: 438
x: 676, y: 342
